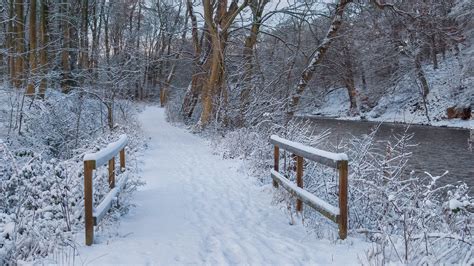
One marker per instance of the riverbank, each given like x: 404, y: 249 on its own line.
x: 401, y: 103
x: 394, y: 120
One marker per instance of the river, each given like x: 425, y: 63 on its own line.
x: 438, y: 149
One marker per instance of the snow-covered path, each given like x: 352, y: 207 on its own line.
x: 198, y: 209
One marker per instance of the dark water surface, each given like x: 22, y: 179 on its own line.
x: 439, y: 148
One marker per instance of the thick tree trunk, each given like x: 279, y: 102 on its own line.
x: 214, y: 84
x: 214, y: 92
x: 30, y: 89
x: 308, y: 72
x: 192, y: 94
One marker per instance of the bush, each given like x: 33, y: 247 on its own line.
x: 41, y: 173
x: 409, y: 217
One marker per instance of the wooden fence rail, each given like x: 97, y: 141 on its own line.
x: 91, y: 162
x: 334, y: 160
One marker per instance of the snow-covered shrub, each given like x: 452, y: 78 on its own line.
x: 252, y: 144
x: 41, y: 172
x: 410, y: 217
x: 406, y: 213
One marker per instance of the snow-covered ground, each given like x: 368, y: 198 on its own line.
x: 402, y: 102
x: 196, y: 208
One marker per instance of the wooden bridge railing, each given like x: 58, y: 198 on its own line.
x: 334, y: 160
x: 91, y: 162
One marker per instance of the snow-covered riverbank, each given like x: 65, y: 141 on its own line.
x: 402, y: 102
x: 451, y: 123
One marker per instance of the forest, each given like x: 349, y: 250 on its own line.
x: 76, y: 74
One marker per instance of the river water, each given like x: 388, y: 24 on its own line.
x: 438, y: 149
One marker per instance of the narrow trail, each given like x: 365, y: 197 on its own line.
x: 198, y: 209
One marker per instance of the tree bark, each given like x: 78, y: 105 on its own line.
x: 11, y: 41
x: 30, y: 89
x: 434, y: 51
x: 65, y: 58
x: 349, y: 79
x: 19, y: 44
x: 214, y: 93
x: 43, y: 31
x: 106, y: 34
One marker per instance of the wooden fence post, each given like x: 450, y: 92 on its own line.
x: 343, y: 182
x: 112, y: 172
x: 122, y: 159
x: 89, y: 166
x: 276, y: 162
x: 299, y: 180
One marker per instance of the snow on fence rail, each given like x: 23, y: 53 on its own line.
x: 91, y: 162
x: 334, y: 160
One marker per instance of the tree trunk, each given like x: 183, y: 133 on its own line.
x: 139, y: 22
x: 434, y: 51
x: 30, y: 89
x: 214, y: 93
x: 19, y: 44
x: 11, y: 41
x: 352, y: 92
x: 248, y: 54
x: 43, y: 31
x: 65, y: 59
x: 363, y: 78
x: 164, y: 92
x: 106, y: 33
x: 421, y: 75
x: 349, y: 79
x: 308, y: 72
x: 195, y: 87
x: 84, y: 46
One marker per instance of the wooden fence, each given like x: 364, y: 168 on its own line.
x: 91, y: 162
x: 334, y: 160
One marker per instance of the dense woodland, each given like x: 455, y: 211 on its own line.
x: 71, y: 72
x: 237, y: 60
